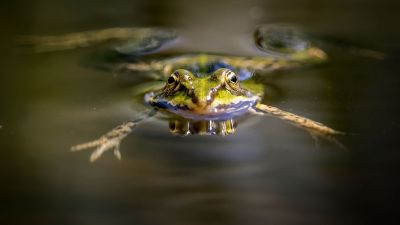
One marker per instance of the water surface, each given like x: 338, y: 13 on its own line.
x: 268, y: 172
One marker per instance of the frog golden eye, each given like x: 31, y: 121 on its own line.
x: 172, y: 83
x: 232, y: 83
x: 171, y: 80
x: 174, y: 78
x: 231, y: 77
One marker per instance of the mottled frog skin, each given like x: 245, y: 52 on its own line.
x: 203, y: 93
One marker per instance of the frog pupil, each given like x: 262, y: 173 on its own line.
x: 234, y: 79
x: 171, y: 80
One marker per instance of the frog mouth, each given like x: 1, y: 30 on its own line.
x: 221, y: 112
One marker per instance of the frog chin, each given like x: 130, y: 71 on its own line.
x: 202, y: 112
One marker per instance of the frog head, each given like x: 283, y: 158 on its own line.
x: 219, y: 95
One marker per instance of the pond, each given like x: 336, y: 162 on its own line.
x: 267, y: 172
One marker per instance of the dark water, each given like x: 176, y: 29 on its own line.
x: 268, y: 172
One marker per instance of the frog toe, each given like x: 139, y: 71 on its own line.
x: 107, y: 144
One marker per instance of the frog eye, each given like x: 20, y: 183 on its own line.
x: 171, y: 80
x: 230, y: 77
x: 172, y: 83
x: 174, y: 78
x: 232, y: 83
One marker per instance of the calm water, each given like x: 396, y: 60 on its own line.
x: 268, y: 172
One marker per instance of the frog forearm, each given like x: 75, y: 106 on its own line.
x: 112, y: 139
x: 297, y: 120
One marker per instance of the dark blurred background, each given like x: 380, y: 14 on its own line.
x: 267, y: 173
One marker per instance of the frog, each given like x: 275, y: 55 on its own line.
x: 202, y: 93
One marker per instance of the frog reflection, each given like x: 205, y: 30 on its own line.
x: 184, y: 127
